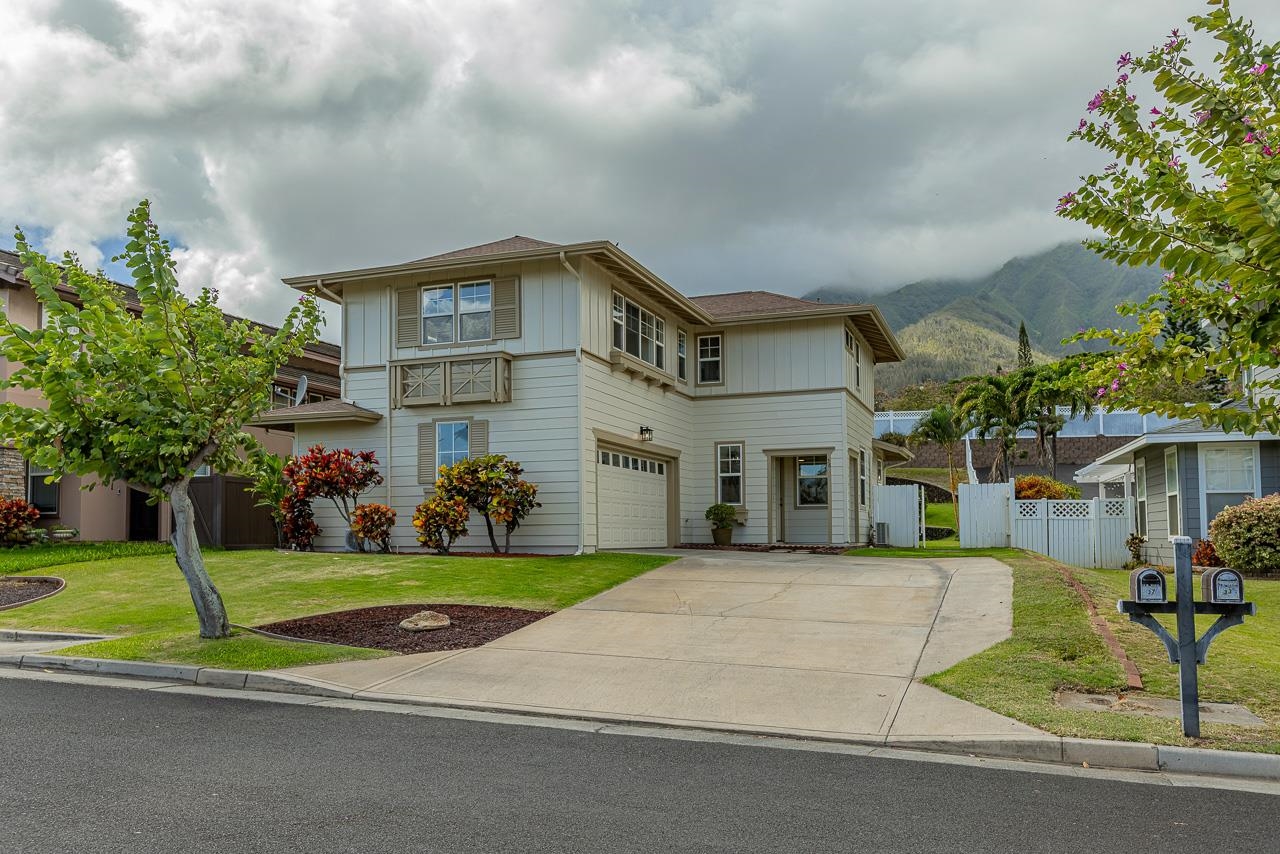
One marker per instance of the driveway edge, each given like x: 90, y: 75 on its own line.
x: 1051, y: 749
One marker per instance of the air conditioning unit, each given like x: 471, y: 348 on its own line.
x: 882, y: 533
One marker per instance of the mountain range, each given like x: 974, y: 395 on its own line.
x: 958, y: 327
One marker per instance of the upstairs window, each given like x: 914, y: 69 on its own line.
x: 710, y: 371
x: 855, y: 350
x: 682, y: 360
x: 638, y: 332
x: 462, y: 313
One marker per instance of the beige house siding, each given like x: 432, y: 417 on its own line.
x: 779, y: 356
x: 859, y: 430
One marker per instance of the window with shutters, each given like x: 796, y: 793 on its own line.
x: 453, y: 442
x: 445, y: 441
x: 456, y: 379
x: 467, y: 312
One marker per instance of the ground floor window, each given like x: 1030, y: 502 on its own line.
x: 729, y: 474
x: 453, y: 442
x: 1140, y: 491
x: 43, y: 496
x: 1171, y: 491
x: 1230, y: 476
x: 813, y: 481
x: 862, y: 478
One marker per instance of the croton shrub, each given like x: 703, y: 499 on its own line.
x: 491, y: 486
x: 1034, y: 487
x: 1247, y: 536
x: 372, y: 523
x: 17, y: 517
x: 440, y: 521
x: 340, y: 475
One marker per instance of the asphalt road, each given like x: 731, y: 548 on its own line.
x: 94, y: 769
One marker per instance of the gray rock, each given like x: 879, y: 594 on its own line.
x: 424, y: 621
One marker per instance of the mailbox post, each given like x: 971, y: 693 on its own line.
x: 1223, y: 595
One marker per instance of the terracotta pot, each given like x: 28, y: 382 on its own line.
x: 722, y: 536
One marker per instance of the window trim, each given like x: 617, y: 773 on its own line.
x: 854, y: 347
x: 659, y: 330
x: 1205, y: 492
x: 41, y: 472
x: 827, y: 477
x: 741, y: 473
x: 1140, y: 490
x: 456, y: 329
x: 698, y: 360
x: 1175, y: 493
x: 441, y: 422
x: 864, y: 495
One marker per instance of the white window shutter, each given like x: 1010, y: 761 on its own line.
x: 479, y: 439
x: 408, y: 317
x: 427, y: 472
x: 506, y: 307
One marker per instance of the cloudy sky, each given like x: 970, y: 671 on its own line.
x: 779, y: 144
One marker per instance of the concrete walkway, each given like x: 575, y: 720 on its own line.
x: 771, y: 643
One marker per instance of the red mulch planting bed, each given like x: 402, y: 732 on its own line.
x: 379, y: 628
x: 14, y: 592
x: 817, y: 550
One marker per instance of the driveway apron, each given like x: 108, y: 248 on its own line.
x: 786, y: 643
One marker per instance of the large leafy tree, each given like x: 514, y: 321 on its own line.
x: 1193, y: 188
x: 993, y: 406
x: 943, y: 426
x: 144, y: 394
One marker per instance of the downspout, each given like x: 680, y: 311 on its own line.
x: 582, y: 472
x: 389, y: 374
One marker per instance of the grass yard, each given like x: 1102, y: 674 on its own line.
x: 939, y: 477
x: 940, y: 515
x: 31, y: 558
x: 1053, y: 646
x: 145, y: 599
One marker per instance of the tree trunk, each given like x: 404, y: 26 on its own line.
x: 209, y: 608
x: 493, y: 541
x: 955, y: 499
x: 1051, y: 451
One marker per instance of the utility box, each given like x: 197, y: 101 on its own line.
x: 1222, y: 585
x: 1148, y: 586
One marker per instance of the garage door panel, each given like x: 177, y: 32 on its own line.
x: 631, y: 498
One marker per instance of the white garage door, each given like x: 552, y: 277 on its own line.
x: 631, y: 501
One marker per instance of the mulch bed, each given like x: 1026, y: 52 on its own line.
x: 817, y: 550
x: 14, y: 592
x: 379, y: 628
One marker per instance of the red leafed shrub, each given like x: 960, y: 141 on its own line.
x: 299, y: 528
x: 372, y: 523
x: 439, y: 521
x: 339, y: 475
x: 1206, y: 555
x: 16, y: 519
x: 491, y: 485
x: 1034, y: 487
x: 1247, y: 536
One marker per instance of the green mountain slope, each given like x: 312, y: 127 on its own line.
x: 1055, y: 292
x: 944, y: 347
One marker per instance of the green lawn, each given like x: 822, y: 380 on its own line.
x: 940, y: 515
x: 939, y: 477
x: 1053, y: 647
x: 36, y: 557
x: 145, y: 598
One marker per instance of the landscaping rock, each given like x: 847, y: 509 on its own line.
x: 425, y: 621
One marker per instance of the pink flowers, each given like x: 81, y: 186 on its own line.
x: 1065, y: 202
x: 1155, y: 111
x: 1084, y: 123
x: 1115, y: 384
x: 1096, y: 101
x: 1259, y: 70
x: 1268, y: 151
x: 1125, y: 59
x: 1175, y: 162
x: 1122, y: 79
x: 1203, y: 116
x: 1168, y: 277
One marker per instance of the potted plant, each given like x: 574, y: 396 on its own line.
x: 722, y: 518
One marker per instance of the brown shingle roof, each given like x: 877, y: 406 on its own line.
x: 325, y: 410
x: 515, y: 243
x: 746, y: 303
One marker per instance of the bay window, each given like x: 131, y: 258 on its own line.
x: 638, y: 332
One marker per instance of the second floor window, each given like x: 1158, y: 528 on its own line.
x: 709, y: 363
x: 682, y: 359
x: 461, y: 313
x: 638, y: 332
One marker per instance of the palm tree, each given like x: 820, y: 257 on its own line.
x: 991, y: 405
x: 1041, y: 391
x: 944, y: 426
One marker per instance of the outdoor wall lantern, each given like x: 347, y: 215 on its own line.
x: 646, y: 434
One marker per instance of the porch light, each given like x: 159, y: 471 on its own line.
x: 646, y: 434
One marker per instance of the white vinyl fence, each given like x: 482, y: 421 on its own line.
x: 900, y: 516
x: 1082, y: 533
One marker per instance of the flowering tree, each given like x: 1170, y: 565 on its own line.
x: 1194, y: 189
x: 491, y: 485
x: 339, y: 475
x: 146, y: 392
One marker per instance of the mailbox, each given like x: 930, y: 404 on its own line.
x: 1222, y: 585
x: 1147, y: 585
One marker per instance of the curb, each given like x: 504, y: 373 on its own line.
x: 1051, y: 749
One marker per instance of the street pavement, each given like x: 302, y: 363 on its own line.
x: 735, y: 641
x: 87, y: 769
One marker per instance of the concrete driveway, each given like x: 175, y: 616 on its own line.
x: 801, y: 644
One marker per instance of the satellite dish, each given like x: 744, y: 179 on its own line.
x: 302, y: 391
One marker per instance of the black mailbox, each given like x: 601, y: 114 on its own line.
x: 1147, y: 585
x: 1222, y: 585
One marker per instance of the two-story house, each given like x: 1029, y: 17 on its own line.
x: 632, y: 406
x: 225, y: 515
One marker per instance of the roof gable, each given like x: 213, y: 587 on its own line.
x: 748, y: 303
x: 515, y: 243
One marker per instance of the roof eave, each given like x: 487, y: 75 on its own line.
x: 891, y: 351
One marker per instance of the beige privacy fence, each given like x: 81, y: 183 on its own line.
x: 1088, y: 533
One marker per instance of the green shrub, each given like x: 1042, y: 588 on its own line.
x: 1247, y: 536
x: 1034, y: 487
x: 722, y: 516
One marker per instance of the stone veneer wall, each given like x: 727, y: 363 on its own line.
x: 13, y: 474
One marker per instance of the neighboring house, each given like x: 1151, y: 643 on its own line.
x: 225, y: 516
x: 1184, y: 475
x: 632, y: 406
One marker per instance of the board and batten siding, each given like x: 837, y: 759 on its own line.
x: 778, y: 356
x: 548, y: 313
x: 859, y: 432
x: 538, y: 427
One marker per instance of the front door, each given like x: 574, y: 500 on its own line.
x: 144, y: 519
